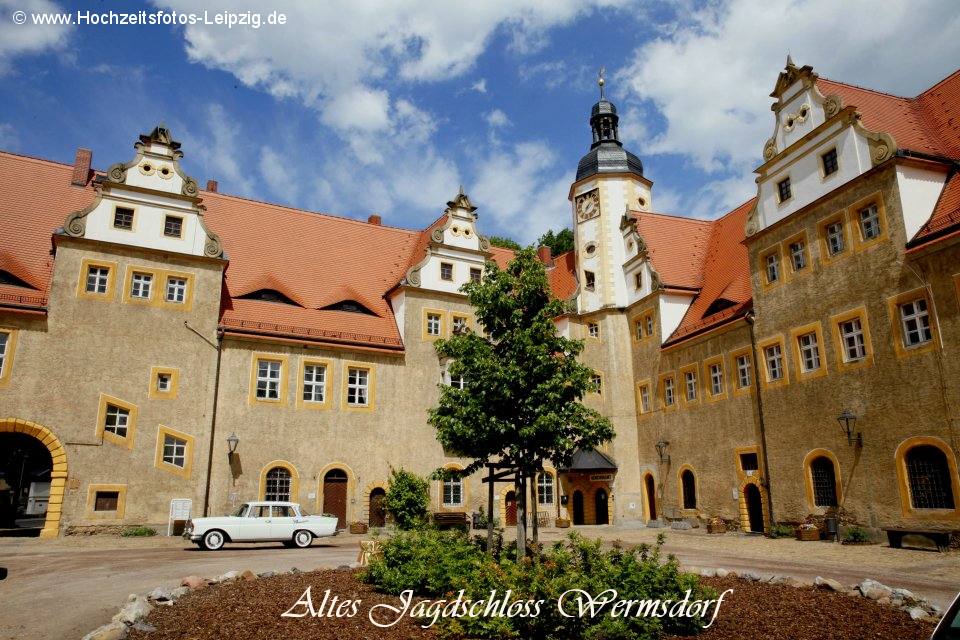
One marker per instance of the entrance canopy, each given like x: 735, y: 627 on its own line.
x: 586, y: 460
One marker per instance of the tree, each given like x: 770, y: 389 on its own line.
x: 504, y: 242
x: 407, y: 499
x: 559, y: 242
x: 522, y: 401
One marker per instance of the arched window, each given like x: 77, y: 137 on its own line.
x: 278, y: 485
x: 928, y: 476
x: 453, y: 492
x: 545, y: 488
x: 688, y: 483
x: 824, y: 477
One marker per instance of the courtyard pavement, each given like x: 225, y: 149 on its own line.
x: 61, y: 589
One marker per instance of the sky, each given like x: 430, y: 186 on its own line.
x: 359, y: 106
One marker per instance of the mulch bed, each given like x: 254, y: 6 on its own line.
x: 754, y: 611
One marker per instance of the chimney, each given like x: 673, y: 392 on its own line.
x: 212, y: 186
x: 374, y: 219
x: 545, y: 257
x: 81, y: 167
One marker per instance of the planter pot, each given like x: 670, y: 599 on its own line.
x: 562, y: 523
x: 358, y: 527
x: 716, y: 528
x: 808, y: 535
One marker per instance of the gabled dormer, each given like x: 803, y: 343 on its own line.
x: 818, y: 144
x: 148, y: 202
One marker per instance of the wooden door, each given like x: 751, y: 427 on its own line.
x: 510, y: 506
x: 600, y: 504
x: 335, y: 495
x: 577, y: 507
x: 378, y: 513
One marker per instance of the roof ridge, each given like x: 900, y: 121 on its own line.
x: 937, y: 84
x: 28, y: 157
x: 870, y: 89
x: 673, y: 215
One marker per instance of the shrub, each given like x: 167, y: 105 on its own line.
x: 139, y: 532
x: 407, y: 499
x: 856, y: 535
x: 440, y: 564
x: 782, y: 530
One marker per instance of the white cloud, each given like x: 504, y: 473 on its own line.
x: 709, y: 78
x: 222, y: 151
x: 523, y: 189
x: 275, y: 172
x: 28, y: 38
x: 480, y: 86
x: 496, y: 119
x: 9, y: 140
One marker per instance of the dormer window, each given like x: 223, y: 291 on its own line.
x: 783, y: 190
x: 268, y: 295
x: 829, y: 162
x: 590, y: 281
x: 446, y: 271
x: 123, y: 218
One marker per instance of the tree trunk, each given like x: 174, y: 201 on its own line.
x: 521, y: 515
x: 490, y: 511
x: 535, y: 510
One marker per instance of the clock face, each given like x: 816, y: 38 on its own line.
x: 588, y: 205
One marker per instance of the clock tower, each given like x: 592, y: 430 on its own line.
x: 609, y: 183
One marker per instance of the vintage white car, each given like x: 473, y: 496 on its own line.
x: 261, y: 522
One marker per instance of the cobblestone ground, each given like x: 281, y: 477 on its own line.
x: 63, y: 588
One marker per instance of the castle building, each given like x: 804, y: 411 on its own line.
x: 789, y: 358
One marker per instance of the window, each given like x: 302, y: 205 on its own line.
x: 638, y: 329
x: 772, y: 262
x: 174, y: 451
x: 164, y: 382
x: 268, y: 379
x: 314, y: 382
x: 716, y: 379
x: 4, y: 340
x: 545, y: 488
x: 475, y: 274
x: 928, y: 477
x: 644, y: 398
x: 176, y: 289
x: 358, y: 381
x: 596, y: 383
x: 688, y: 484
x: 278, y: 485
x: 824, y: 480
x: 743, y: 371
x: 649, y: 323
x: 446, y: 271
x: 638, y: 280
x: 593, y: 329
x: 851, y: 334
x: 809, y: 351
x: 140, y: 285
x: 798, y: 255
x: 173, y: 226
x: 783, y: 190
x: 774, y: 357
x: 459, y: 324
x: 106, y: 500
x: 836, y: 242
x: 870, y: 222
x: 668, y: 398
x: 98, y: 279
x: 829, y: 162
x: 434, y: 322
x: 591, y: 281
x: 123, y: 218
x: 458, y: 382
x: 691, y: 382
x: 453, y: 492
x: 749, y: 462
x: 915, y: 323
x: 117, y: 420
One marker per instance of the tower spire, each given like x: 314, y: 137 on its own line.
x: 601, y: 81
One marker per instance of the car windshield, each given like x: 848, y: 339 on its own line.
x: 239, y: 512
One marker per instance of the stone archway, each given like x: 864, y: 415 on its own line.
x: 58, y: 473
x: 753, y: 506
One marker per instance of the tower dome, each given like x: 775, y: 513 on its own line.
x: 606, y: 154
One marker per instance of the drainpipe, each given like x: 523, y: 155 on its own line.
x: 751, y: 318
x: 213, y: 424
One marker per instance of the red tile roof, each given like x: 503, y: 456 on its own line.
x: 676, y: 245
x: 563, y: 275
x: 946, y: 214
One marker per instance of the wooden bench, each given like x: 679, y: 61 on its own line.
x: 939, y: 537
x: 451, y: 520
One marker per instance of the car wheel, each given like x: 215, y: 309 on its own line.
x: 302, y: 539
x: 213, y: 540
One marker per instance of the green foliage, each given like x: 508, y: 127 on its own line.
x: 438, y: 565
x: 559, y: 242
x: 522, y: 401
x: 781, y: 530
x: 407, y: 499
x: 138, y: 532
x: 856, y: 535
x: 504, y: 242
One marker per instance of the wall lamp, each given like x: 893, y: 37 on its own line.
x: 661, y: 447
x: 848, y: 423
x: 232, y: 442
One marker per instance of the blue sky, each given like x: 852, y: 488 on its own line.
x: 360, y: 107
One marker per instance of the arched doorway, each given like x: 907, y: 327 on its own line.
x: 600, y: 499
x: 751, y: 494
x: 33, y: 459
x: 651, y: 491
x: 510, y: 507
x: 378, y: 512
x: 335, y: 495
x: 578, y: 507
